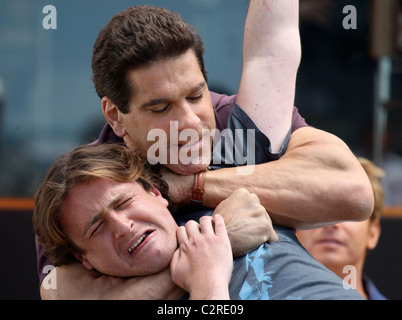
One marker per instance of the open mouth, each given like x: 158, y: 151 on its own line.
x: 138, y: 242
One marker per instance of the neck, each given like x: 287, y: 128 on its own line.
x: 163, y: 288
x: 353, y: 277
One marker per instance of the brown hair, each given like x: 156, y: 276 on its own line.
x: 375, y: 174
x: 81, y: 165
x: 136, y: 37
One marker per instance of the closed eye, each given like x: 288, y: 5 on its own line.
x: 124, y: 204
x: 194, y: 99
x: 160, y: 110
x: 97, y: 227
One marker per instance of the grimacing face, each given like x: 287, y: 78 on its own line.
x: 122, y: 229
x: 170, y: 97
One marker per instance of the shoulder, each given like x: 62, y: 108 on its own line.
x: 372, y: 292
x: 297, y: 120
x: 107, y: 135
x: 223, y: 105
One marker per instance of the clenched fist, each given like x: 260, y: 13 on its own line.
x: 247, y: 222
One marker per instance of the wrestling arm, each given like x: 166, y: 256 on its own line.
x: 74, y: 281
x: 318, y: 181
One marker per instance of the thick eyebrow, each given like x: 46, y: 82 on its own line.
x: 198, y: 87
x: 155, y: 102
x: 101, y: 213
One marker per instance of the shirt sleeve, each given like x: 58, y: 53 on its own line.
x: 242, y: 143
x: 224, y: 104
x: 44, y: 264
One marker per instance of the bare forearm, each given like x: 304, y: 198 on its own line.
x: 271, y: 57
x: 74, y: 282
x: 318, y: 181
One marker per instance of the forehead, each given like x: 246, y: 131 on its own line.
x: 100, y: 190
x: 175, y: 75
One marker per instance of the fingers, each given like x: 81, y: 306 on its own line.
x: 255, y: 200
x: 242, y: 192
x: 192, y: 230
x: 272, y: 236
x: 181, y: 235
x: 220, y: 227
x: 175, y: 259
x: 207, y: 226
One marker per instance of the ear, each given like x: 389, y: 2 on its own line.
x: 157, y: 194
x: 84, y: 261
x: 374, y: 234
x: 111, y: 113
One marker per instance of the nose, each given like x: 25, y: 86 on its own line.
x: 187, y: 117
x: 120, y: 225
x: 331, y: 228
